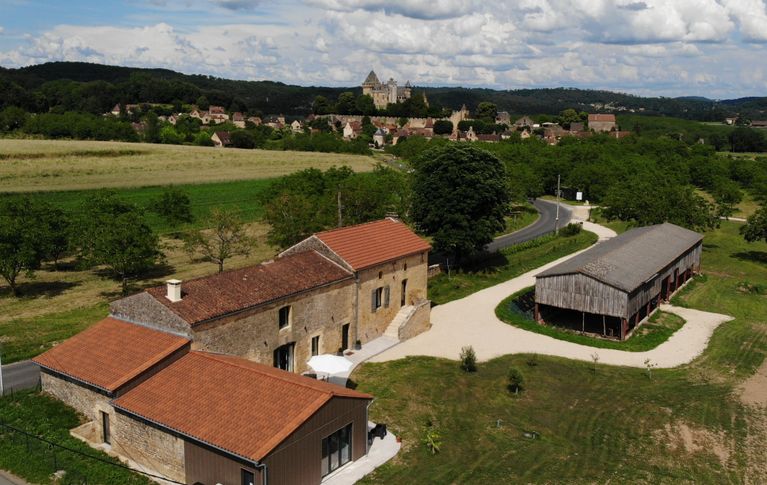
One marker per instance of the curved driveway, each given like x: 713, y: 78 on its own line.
x: 472, y: 321
x: 547, y: 222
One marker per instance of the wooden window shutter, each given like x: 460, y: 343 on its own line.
x: 373, y: 301
x: 386, y: 296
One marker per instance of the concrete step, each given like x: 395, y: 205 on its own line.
x: 402, y: 316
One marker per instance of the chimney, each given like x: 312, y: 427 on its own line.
x: 174, y: 290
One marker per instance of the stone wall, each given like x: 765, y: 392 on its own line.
x: 148, y: 446
x: 373, y: 323
x: 144, y: 309
x: 84, y: 400
x: 419, y: 321
x: 255, y: 335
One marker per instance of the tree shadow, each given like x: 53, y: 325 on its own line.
x: 754, y: 256
x: 36, y: 289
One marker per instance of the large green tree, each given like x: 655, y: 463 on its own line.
x: 24, y: 238
x: 174, y: 206
x: 756, y: 226
x: 225, y: 238
x: 114, y: 233
x: 487, y: 112
x: 460, y: 197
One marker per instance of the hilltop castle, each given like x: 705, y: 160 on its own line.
x: 384, y: 94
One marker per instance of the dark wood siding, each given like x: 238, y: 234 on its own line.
x: 296, y: 460
x: 209, y: 466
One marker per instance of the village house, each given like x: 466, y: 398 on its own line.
x: 602, y: 122
x: 613, y: 287
x: 296, y: 126
x: 524, y: 122
x: 331, y: 292
x: 221, y: 139
x: 352, y: 130
x: 183, y: 414
x: 238, y: 120
x: 379, y: 138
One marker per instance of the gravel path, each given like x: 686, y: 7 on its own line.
x: 472, y: 321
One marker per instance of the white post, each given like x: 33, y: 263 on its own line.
x: 556, y: 223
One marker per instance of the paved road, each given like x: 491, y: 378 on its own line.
x: 20, y: 375
x: 545, y: 223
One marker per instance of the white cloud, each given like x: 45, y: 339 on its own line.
x: 419, y: 9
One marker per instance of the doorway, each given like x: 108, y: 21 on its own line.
x: 105, y: 430
x: 283, y: 357
x: 345, y: 337
x: 403, y: 297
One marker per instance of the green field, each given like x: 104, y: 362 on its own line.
x: 504, y: 265
x: 43, y: 165
x: 612, y: 425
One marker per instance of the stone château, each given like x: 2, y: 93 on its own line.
x: 385, y: 94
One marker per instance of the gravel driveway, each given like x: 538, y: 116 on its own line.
x: 472, y: 321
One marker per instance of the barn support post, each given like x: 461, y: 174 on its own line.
x: 583, y: 322
x: 537, y: 313
x: 624, y: 327
x: 604, y: 326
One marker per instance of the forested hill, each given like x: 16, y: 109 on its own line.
x: 96, y: 88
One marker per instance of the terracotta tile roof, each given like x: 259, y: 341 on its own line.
x: 110, y: 353
x: 373, y: 243
x: 223, y: 293
x: 601, y: 117
x: 231, y: 403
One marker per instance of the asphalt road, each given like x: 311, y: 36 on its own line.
x: 546, y: 223
x: 20, y: 375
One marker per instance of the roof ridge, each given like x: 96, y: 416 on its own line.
x: 298, y: 382
x: 377, y: 221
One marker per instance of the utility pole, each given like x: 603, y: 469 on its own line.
x: 556, y: 223
x: 2, y: 389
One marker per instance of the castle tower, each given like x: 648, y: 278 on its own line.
x: 370, y: 84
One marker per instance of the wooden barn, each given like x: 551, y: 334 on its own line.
x: 620, y: 282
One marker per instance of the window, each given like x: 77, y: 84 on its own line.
x: 316, y: 345
x: 403, y: 297
x: 248, y: 477
x: 336, y: 450
x: 105, y: 430
x: 380, y: 275
x: 284, y: 316
x: 283, y: 357
x: 404, y: 267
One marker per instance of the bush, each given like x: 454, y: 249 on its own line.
x: 468, y: 359
x: 516, y: 380
x: 532, y: 361
x: 431, y: 438
x: 571, y: 229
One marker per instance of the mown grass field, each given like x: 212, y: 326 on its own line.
x: 504, y: 265
x: 42, y: 165
x: 612, y: 425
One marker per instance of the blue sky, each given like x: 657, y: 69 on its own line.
x: 713, y: 48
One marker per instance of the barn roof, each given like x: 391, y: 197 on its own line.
x: 632, y: 258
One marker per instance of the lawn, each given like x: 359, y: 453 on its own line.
x: 523, y: 215
x: 58, y: 304
x: 37, y: 461
x: 615, y: 424
x: 42, y: 165
x: 649, y: 335
x: 504, y: 265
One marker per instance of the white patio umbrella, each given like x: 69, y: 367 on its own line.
x: 330, y: 364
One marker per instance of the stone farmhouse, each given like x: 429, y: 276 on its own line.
x: 385, y: 94
x: 177, y: 375
x: 322, y: 296
x: 203, y: 418
x: 602, y: 122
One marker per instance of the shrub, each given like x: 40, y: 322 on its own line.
x: 571, y: 229
x: 516, y: 380
x: 431, y: 438
x: 532, y: 361
x: 468, y: 359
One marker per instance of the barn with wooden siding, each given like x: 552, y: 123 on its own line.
x: 619, y: 282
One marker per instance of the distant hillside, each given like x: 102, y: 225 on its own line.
x: 96, y: 88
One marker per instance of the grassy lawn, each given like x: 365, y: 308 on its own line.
x: 747, y: 206
x: 617, y: 226
x: 649, y: 335
x: 553, y: 198
x: 616, y: 425
x: 33, y: 460
x: 504, y: 265
x: 42, y: 165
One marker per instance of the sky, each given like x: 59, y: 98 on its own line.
x: 712, y: 48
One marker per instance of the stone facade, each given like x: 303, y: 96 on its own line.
x: 85, y: 401
x: 372, y: 322
x: 148, y: 446
x: 419, y: 321
x: 143, y: 309
x: 256, y: 334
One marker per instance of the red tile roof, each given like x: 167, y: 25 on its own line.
x: 373, y: 243
x: 223, y: 293
x: 231, y: 403
x: 110, y: 353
